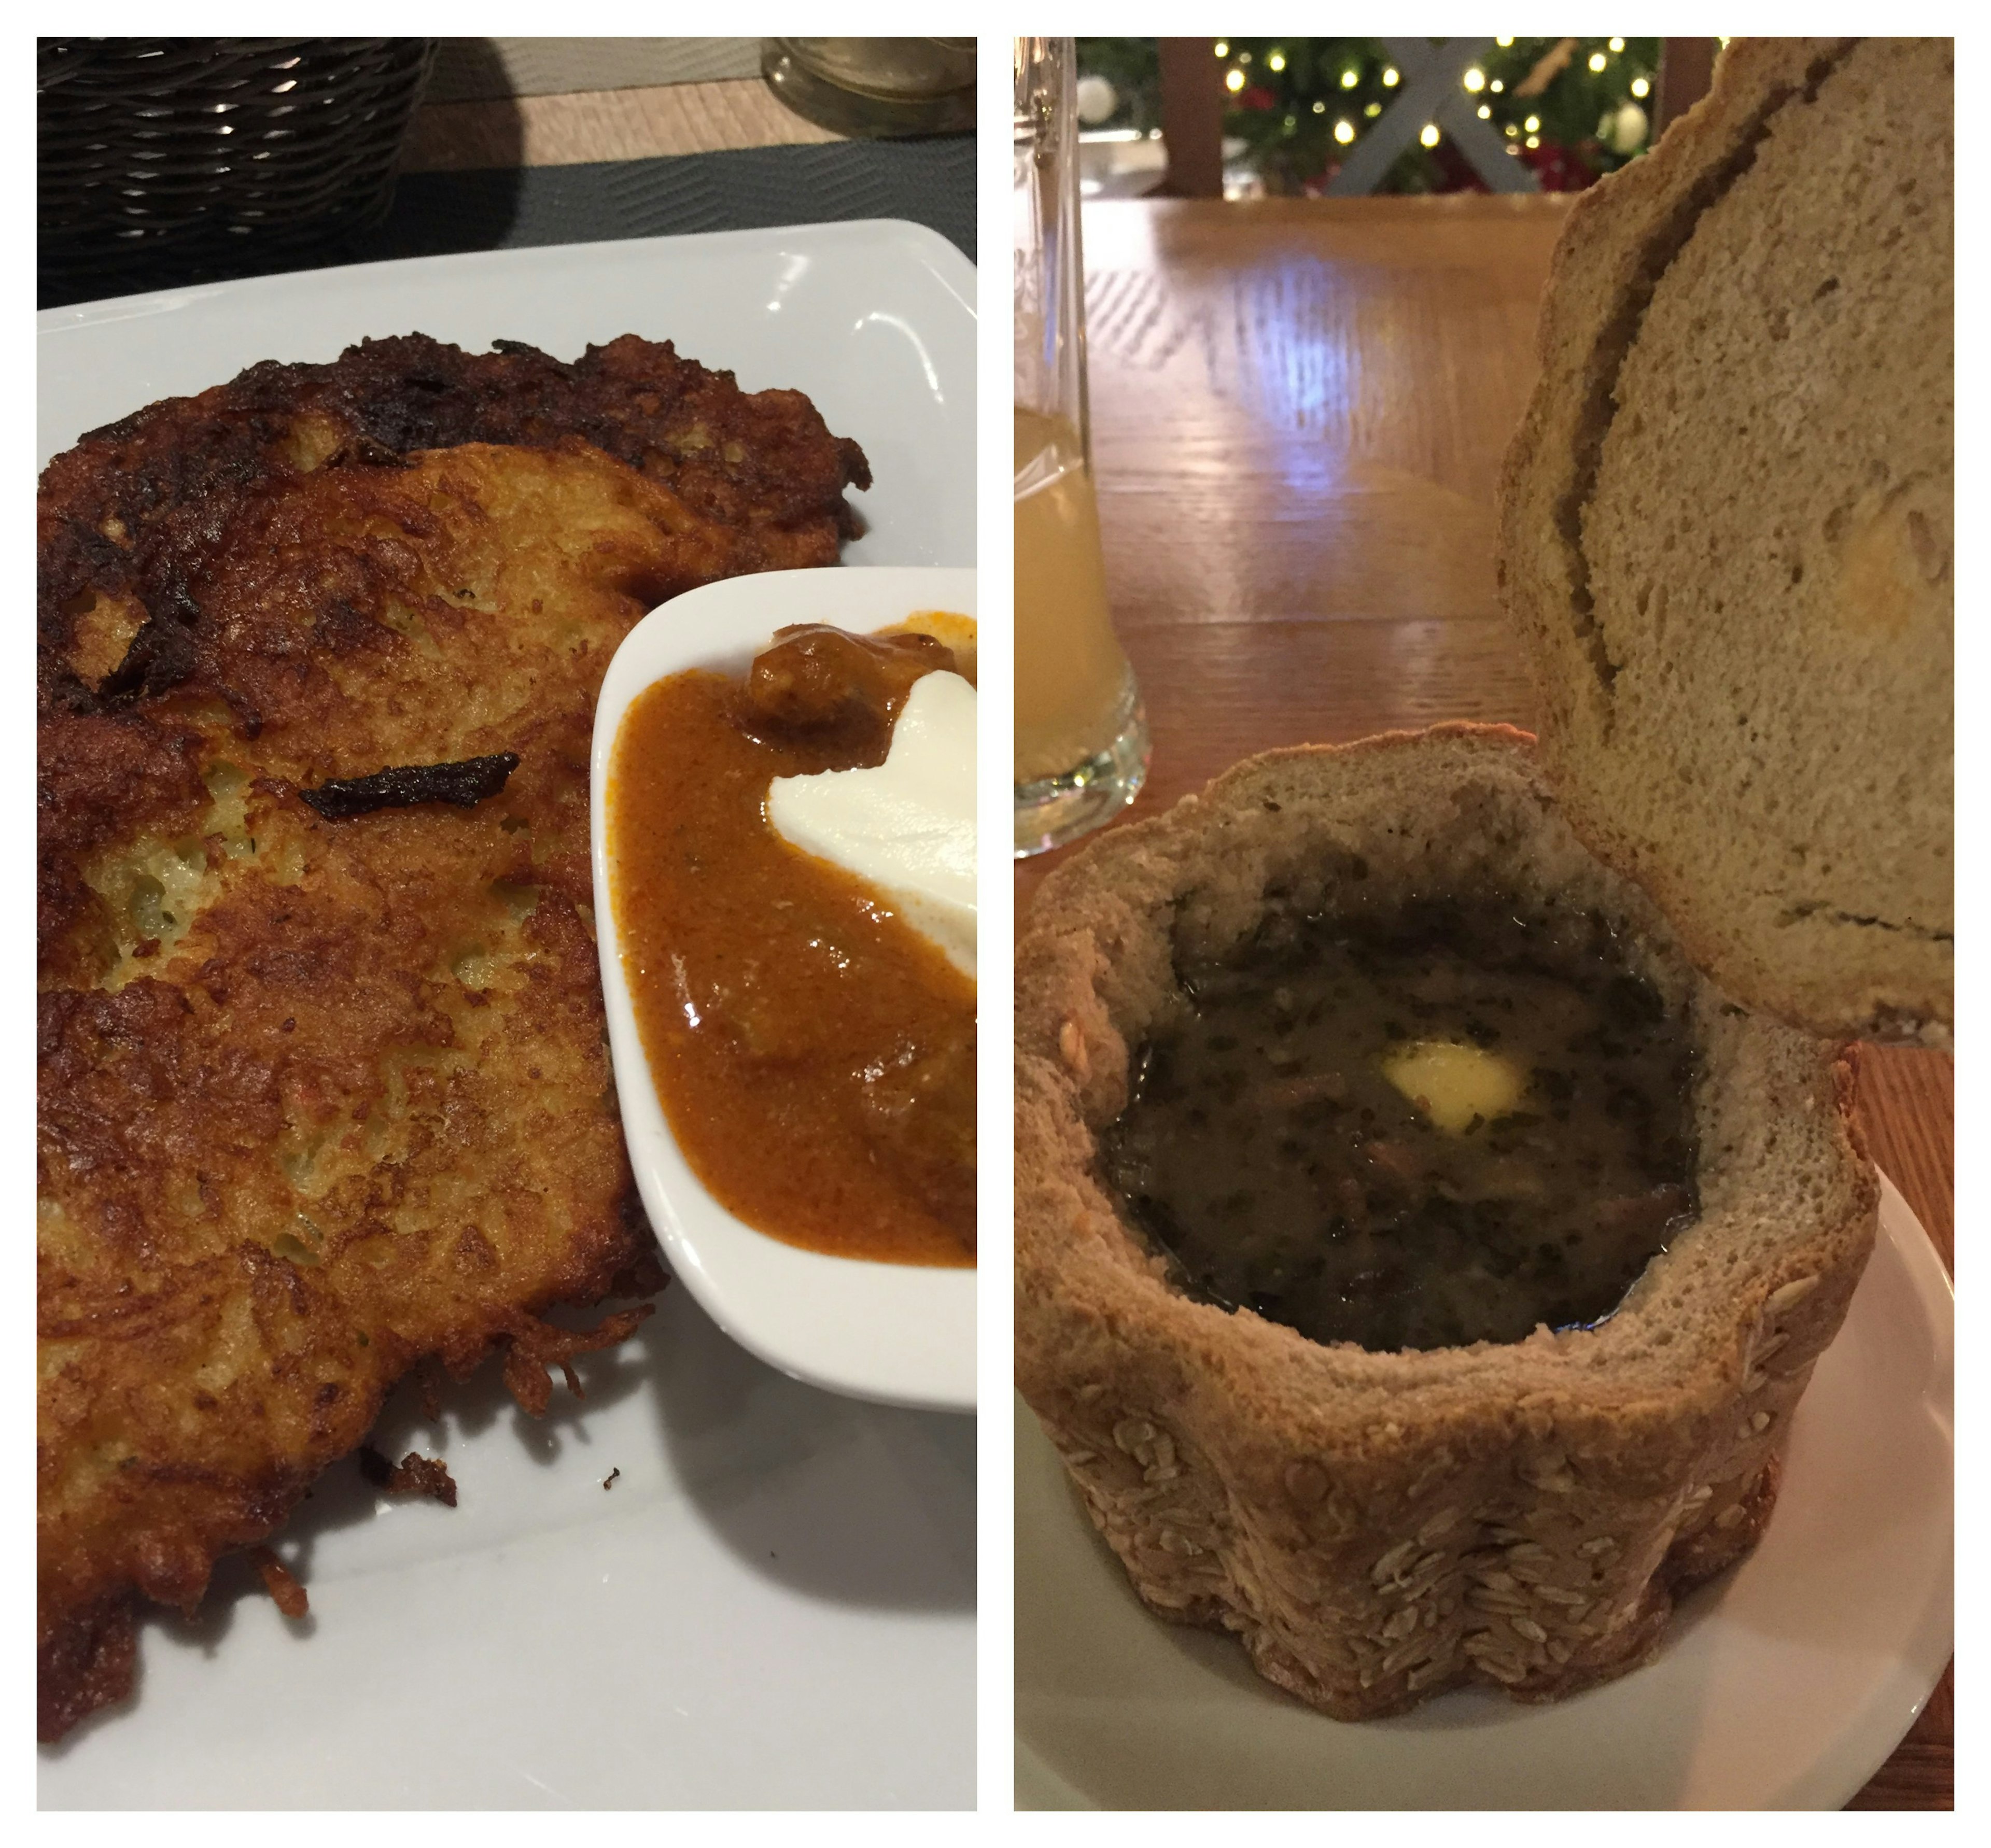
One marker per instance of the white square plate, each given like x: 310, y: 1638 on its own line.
x: 773, y: 1605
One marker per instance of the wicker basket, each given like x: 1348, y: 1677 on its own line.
x: 164, y: 159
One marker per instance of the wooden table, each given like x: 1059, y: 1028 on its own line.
x: 1299, y: 412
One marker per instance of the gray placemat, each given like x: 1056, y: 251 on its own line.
x: 931, y: 182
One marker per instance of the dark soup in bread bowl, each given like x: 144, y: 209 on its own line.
x: 1418, y: 1260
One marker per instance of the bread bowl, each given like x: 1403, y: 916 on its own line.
x: 1379, y: 1527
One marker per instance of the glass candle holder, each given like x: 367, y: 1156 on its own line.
x: 876, y: 87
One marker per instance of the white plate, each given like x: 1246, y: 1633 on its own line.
x: 774, y: 1604
x: 1784, y: 1685
x: 900, y: 1333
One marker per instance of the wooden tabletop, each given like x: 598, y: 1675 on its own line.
x: 1298, y: 410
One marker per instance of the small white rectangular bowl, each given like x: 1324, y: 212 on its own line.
x: 901, y: 1334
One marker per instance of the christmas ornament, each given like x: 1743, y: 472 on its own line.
x: 1097, y: 99
x: 1627, y: 133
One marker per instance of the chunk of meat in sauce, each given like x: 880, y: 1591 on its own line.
x: 838, y: 691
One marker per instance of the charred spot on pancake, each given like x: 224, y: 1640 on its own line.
x: 464, y: 783
x: 363, y: 452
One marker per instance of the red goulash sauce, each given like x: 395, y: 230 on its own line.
x: 815, y: 1053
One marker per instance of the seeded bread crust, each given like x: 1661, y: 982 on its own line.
x: 1728, y: 527
x: 1379, y: 1528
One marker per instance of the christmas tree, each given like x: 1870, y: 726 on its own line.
x: 1574, y: 109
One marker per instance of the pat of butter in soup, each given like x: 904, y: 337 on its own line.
x: 906, y: 826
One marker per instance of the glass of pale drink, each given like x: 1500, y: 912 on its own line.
x: 1081, y: 748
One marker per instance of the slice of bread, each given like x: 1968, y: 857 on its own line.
x: 1379, y: 1527
x: 1727, y: 530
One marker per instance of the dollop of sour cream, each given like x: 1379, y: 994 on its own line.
x: 906, y: 828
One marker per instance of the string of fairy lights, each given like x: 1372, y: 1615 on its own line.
x: 1572, y: 108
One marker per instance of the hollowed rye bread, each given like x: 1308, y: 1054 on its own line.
x: 1727, y: 530
x: 1379, y: 1526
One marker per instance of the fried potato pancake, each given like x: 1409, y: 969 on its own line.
x: 321, y: 1099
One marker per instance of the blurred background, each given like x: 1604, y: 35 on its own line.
x: 1247, y: 117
